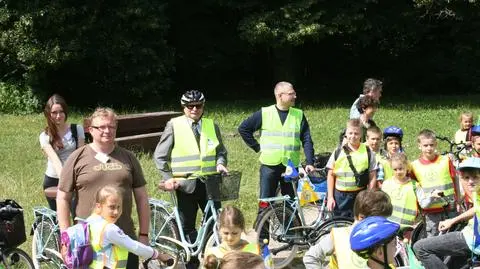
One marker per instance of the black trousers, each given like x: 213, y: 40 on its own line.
x: 188, y: 205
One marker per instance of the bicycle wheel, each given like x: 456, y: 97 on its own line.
x: 419, y: 232
x: 18, y: 259
x: 162, y: 225
x: 334, y: 222
x: 55, y: 258
x: 44, y: 236
x: 275, y: 225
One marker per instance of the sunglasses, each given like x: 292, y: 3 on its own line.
x: 197, y: 106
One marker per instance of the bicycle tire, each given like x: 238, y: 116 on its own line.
x: 18, y: 259
x: 55, y: 258
x: 41, y: 232
x: 282, y: 252
x: 160, y: 227
x: 333, y: 222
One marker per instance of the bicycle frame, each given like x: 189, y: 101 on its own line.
x: 46, y: 214
x: 172, y: 210
x: 294, y: 204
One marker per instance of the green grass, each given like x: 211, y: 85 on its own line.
x: 22, y: 163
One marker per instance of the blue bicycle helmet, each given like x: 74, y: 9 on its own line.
x: 393, y: 131
x: 469, y: 163
x: 370, y: 233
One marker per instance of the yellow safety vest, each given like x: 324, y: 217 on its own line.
x: 435, y: 176
x: 344, y: 177
x: 404, y: 201
x: 187, y: 157
x: 469, y: 230
x: 111, y: 256
x: 220, y: 251
x: 344, y: 257
x: 278, y: 142
x: 387, y: 168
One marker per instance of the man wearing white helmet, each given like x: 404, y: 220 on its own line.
x: 190, y: 146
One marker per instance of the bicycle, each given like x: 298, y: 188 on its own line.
x: 165, y: 223
x: 12, y: 234
x: 284, y: 224
x: 46, y: 239
x: 455, y: 150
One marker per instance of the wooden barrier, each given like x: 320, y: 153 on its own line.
x: 140, y: 132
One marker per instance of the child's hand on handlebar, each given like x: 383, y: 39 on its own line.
x: 309, y: 168
x: 437, y: 194
x: 445, y: 225
x: 168, y: 185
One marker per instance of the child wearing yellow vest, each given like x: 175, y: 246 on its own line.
x: 110, y: 244
x: 333, y: 250
x: 430, y: 251
x: 405, y: 193
x: 373, y: 141
x: 231, y: 225
x: 435, y: 172
x: 341, y: 181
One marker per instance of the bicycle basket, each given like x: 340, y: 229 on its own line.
x: 223, y: 187
x: 12, y: 226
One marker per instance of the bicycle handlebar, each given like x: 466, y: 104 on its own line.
x: 455, y: 148
x: 296, y: 178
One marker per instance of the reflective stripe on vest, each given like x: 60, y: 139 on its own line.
x: 278, y: 142
x: 435, y: 176
x: 186, y: 156
x: 110, y: 256
x: 344, y: 177
x: 404, y: 201
x: 344, y: 256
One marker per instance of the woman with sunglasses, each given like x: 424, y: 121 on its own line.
x: 58, y: 141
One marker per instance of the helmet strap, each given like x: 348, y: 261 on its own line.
x: 385, y: 258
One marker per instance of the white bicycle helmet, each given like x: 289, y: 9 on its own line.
x: 469, y: 164
x: 192, y: 96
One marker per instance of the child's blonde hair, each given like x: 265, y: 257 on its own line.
x: 399, y: 157
x: 354, y: 123
x: 426, y: 133
x: 231, y: 216
x: 375, y: 130
x: 466, y: 114
x: 234, y: 260
x: 106, y: 191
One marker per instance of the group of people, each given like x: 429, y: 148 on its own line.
x: 191, y: 147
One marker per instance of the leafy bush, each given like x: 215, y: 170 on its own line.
x: 17, y: 99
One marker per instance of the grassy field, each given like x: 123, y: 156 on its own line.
x: 22, y: 164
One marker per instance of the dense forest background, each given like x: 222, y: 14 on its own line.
x: 137, y: 52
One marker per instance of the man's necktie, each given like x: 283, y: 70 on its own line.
x: 196, y: 133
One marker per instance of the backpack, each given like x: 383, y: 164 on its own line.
x: 76, y: 240
x: 12, y: 225
x: 73, y: 129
